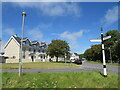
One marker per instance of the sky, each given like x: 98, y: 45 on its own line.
x: 75, y: 22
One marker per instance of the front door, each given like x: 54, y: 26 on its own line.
x: 32, y: 58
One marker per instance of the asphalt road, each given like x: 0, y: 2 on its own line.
x: 84, y: 67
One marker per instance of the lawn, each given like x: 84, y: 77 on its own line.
x: 60, y: 80
x: 114, y: 64
x: 39, y: 65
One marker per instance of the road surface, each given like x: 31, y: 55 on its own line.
x: 84, y: 67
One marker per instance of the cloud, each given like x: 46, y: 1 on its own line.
x: 72, y: 35
x: 35, y: 33
x: 34, y: 0
x: 53, y: 8
x: 72, y: 38
x: 9, y: 31
x: 44, y: 26
x: 111, y: 16
x: 60, y: 1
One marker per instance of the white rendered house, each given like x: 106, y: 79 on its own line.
x: 33, y: 51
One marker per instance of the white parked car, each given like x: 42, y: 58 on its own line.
x: 72, y: 60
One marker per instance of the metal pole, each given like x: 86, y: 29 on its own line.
x: 110, y: 55
x: 65, y: 57
x: 103, y: 52
x: 0, y: 45
x: 21, y: 56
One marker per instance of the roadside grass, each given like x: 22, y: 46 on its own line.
x: 0, y: 78
x: 114, y: 64
x: 39, y: 65
x: 60, y: 80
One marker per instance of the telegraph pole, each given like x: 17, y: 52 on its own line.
x: 103, y: 52
x: 21, y: 56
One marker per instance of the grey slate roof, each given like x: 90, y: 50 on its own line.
x: 18, y: 39
x: 34, y: 42
x: 76, y: 54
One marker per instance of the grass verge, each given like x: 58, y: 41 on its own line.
x: 114, y: 64
x: 39, y: 65
x: 60, y: 80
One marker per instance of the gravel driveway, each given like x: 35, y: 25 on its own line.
x: 84, y: 67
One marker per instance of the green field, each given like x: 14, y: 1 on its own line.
x: 114, y: 64
x: 59, y: 80
x: 39, y: 65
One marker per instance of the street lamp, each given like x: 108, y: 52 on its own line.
x: 21, y: 56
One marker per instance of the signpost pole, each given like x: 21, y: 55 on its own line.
x: 103, y: 52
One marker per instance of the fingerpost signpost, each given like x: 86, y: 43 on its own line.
x: 103, y: 51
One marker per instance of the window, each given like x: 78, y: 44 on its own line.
x: 29, y: 49
x: 42, y: 51
x: 14, y: 57
x: 23, y: 56
x: 24, y: 42
x: 39, y: 51
x: 44, y: 57
x: 34, y: 45
x: 41, y: 57
x: 27, y: 42
x: 34, y: 50
x: 24, y: 49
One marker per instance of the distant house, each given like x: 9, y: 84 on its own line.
x: 33, y: 51
x: 2, y: 60
x: 74, y: 56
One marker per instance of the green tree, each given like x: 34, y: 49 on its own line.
x: 81, y: 56
x: 93, y: 53
x: 58, y: 48
x: 111, y: 43
x: 117, y: 49
x: 96, y: 52
x: 88, y: 54
x: 115, y: 35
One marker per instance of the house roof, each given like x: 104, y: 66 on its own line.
x: 76, y: 54
x: 34, y: 42
x: 15, y: 39
x: 18, y: 40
